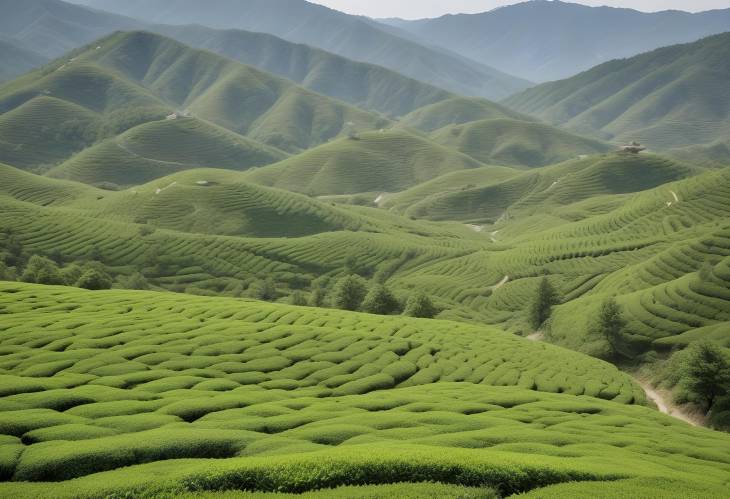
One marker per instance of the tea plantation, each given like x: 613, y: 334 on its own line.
x: 97, y: 381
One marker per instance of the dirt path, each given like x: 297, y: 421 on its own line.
x: 475, y: 228
x: 538, y: 336
x: 501, y: 283
x: 662, y: 399
x: 493, y: 236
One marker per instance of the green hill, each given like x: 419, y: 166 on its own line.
x: 543, y: 190
x: 17, y: 60
x: 209, y: 394
x: 129, y: 79
x: 516, y: 143
x: 353, y: 37
x: 363, y: 85
x: 158, y: 148
x: 672, y: 97
x: 713, y: 155
x: 457, y: 111
x: 385, y: 161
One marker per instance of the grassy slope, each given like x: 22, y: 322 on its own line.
x: 514, y: 142
x: 158, y: 148
x: 671, y: 97
x: 552, y: 188
x: 387, y: 161
x: 135, y: 78
x: 377, y: 400
x: 457, y: 111
x: 363, y: 85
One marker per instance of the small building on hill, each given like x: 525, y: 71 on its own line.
x: 633, y: 148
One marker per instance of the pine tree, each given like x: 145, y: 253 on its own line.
x: 541, y: 307
x: 610, y: 324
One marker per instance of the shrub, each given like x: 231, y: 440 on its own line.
x: 706, y: 372
x: 349, y: 293
x: 94, y: 279
x: 72, y: 273
x: 380, y: 301
x: 420, y: 305
x: 263, y: 290
x: 41, y: 270
x: 134, y: 281
x: 297, y: 298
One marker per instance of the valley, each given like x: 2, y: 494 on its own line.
x: 272, y: 249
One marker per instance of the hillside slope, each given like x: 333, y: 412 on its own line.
x: 545, y: 41
x: 516, y: 143
x: 385, y: 161
x: 364, y: 85
x: 672, y: 97
x: 17, y: 60
x: 130, y: 79
x: 349, y: 36
x: 53, y: 27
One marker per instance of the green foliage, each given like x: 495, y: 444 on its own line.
x: 380, y: 300
x: 41, y: 270
x: 610, y: 324
x: 706, y: 372
x: 541, y: 306
x: 94, y: 279
x: 420, y: 305
x: 264, y: 289
x: 298, y: 298
x: 349, y: 293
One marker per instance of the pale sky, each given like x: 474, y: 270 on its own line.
x: 414, y: 9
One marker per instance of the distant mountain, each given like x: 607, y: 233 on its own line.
x: 349, y: 36
x: 671, y: 97
x: 364, y: 85
x: 230, y: 115
x: 16, y: 60
x: 457, y: 111
x: 549, y: 40
x: 52, y: 27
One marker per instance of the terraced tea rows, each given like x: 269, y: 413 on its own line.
x: 96, y: 381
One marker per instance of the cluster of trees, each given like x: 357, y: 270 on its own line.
x: 352, y: 293
x: 17, y: 265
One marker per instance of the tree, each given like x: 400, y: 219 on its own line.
x: 297, y: 298
x: 349, y: 293
x: 41, y: 270
x: 94, y: 279
x: 706, y: 372
x: 134, y: 281
x: 420, y: 305
x: 72, y: 273
x: 264, y: 290
x: 542, y: 305
x: 610, y: 324
x: 381, y: 301
x: 318, y: 296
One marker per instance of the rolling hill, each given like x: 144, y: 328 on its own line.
x: 349, y: 36
x: 17, y: 60
x: 76, y: 111
x: 363, y: 85
x: 457, y: 111
x: 206, y: 394
x: 544, y: 41
x: 672, y: 97
x: 516, y: 143
x: 384, y: 161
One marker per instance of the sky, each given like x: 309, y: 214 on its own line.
x: 415, y: 9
